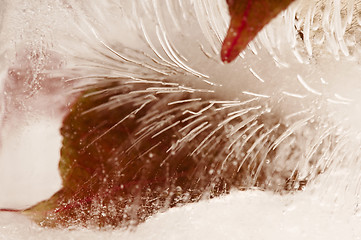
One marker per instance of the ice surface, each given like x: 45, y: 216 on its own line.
x: 29, y: 159
x: 242, y: 215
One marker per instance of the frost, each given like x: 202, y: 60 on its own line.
x: 246, y: 215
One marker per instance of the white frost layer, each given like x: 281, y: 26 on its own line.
x: 242, y: 215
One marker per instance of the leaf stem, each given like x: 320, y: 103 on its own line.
x: 10, y: 210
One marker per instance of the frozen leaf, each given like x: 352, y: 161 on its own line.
x: 248, y: 17
x: 109, y: 178
x: 125, y: 156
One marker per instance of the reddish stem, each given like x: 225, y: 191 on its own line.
x: 10, y: 210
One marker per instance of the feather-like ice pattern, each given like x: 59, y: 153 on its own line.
x: 159, y: 121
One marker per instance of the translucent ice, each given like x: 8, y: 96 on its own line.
x: 289, y: 105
